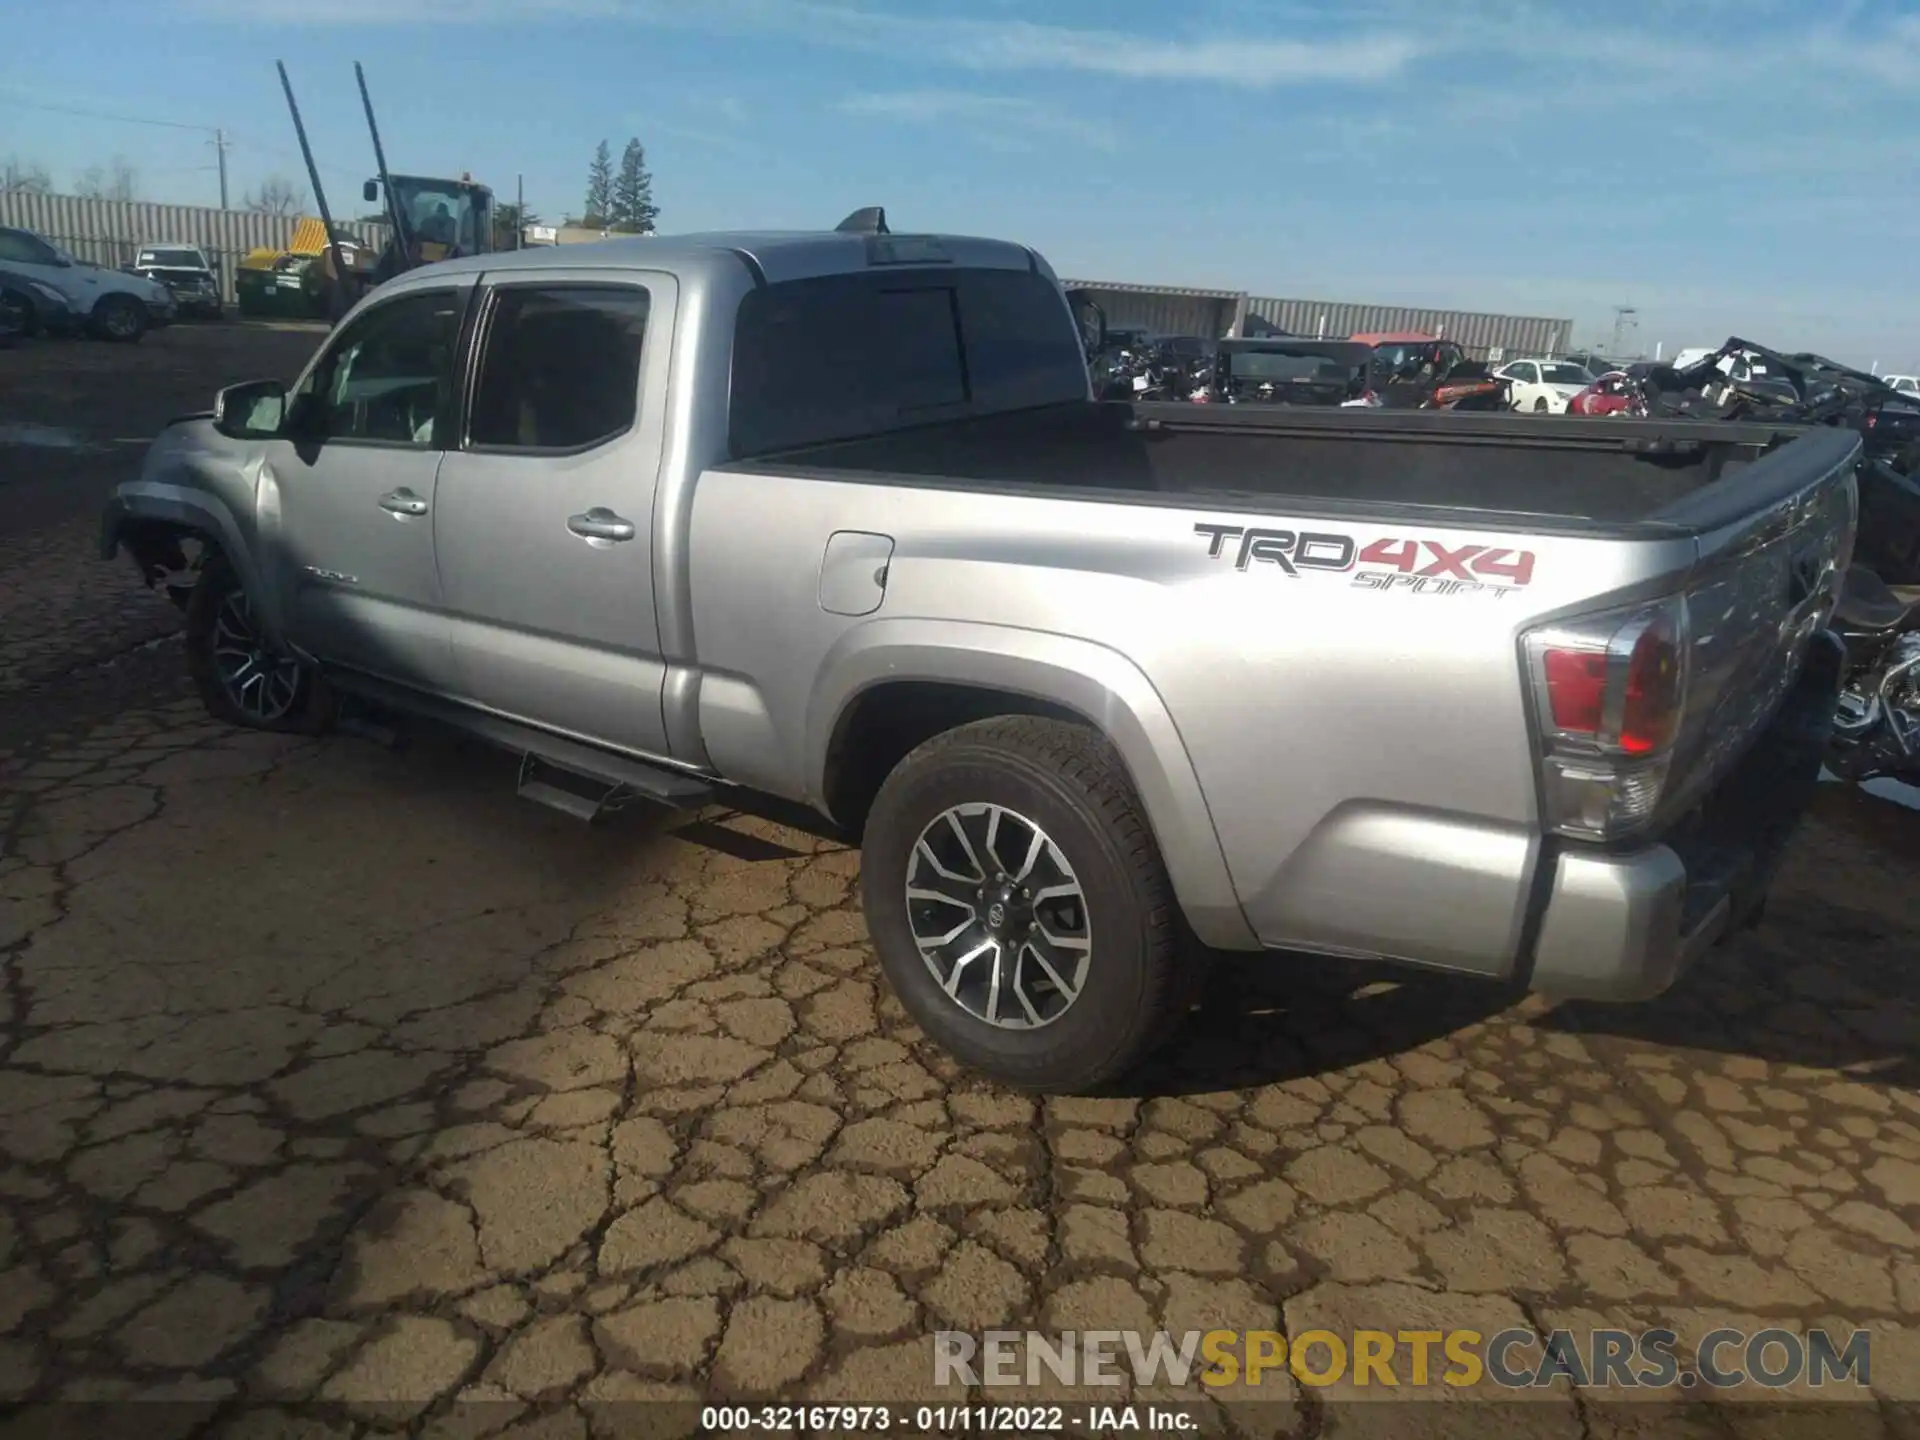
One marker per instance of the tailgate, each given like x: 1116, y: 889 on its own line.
x: 1774, y: 541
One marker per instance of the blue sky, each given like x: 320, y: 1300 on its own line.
x: 1724, y: 167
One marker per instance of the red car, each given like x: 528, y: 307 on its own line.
x: 1611, y: 394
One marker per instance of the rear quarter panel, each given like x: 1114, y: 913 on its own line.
x: 1358, y: 735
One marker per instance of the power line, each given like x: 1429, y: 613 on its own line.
x: 290, y: 156
x: 102, y: 115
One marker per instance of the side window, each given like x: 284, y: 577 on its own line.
x: 852, y: 355
x: 819, y: 360
x: 561, y: 368
x: 1526, y: 372
x: 389, y: 377
x: 1021, y: 344
x: 23, y: 249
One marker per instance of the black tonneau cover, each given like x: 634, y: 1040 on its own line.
x: 1576, y: 474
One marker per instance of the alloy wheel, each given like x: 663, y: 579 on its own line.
x: 263, y: 686
x: 999, y: 916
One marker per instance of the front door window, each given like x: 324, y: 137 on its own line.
x: 389, y: 376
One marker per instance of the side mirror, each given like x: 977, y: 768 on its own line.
x: 370, y: 191
x: 255, y: 410
x: 1091, y: 319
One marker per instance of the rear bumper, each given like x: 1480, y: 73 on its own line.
x: 1626, y: 926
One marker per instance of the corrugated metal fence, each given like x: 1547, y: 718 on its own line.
x: 108, y: 232
x: 1166, y: 309
x: 1179, y: 310
x: 1475, y: 332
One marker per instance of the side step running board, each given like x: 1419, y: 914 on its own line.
x: 588, y: 794
x: 568, y: 793
x: 565, y: 775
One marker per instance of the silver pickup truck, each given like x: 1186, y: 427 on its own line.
x: 832, y: 519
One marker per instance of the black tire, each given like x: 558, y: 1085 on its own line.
x: 22, y: 306
x: 310, y: 710
x: 1144, y: 969
x: 120, y: 318
x: 1540, y: 405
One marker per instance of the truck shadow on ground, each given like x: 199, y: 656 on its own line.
x: 1827, y: 979
x: 1268, y: 1018
x: 1817, y: 984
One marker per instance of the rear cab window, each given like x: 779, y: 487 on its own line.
x: 172, y: 259
x: 845, y: 356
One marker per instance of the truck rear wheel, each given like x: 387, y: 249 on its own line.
x: 1020, y: 906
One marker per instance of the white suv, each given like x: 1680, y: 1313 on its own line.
x: 110, y: 303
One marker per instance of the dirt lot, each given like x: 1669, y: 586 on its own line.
x: 339, y: 1080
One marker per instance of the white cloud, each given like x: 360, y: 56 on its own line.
x: 987, y: 45
x: 1002, y: 121
x: 1650, y: 54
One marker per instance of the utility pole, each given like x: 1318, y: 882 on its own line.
x: 221, y: 145
x: 1625, y: 320
x: 519, y: 210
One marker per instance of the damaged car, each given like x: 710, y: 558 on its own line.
x: 1293, y: 372
x: 1743, y: 381
x: 1424, y: 372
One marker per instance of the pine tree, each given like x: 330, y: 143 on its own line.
x: 600, y: 211
x: 633, y: 209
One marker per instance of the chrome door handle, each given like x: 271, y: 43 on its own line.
x: 600, y: 524
x: 403, y: 502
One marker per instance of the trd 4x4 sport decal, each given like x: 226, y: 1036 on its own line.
x: 1419, y: 566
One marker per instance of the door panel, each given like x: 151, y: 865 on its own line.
x: 544, y: 520
x: 347, y: 504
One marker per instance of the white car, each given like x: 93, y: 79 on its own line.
x: 110, y: 303
x: 1905, y: 384
x: 1544, y: 386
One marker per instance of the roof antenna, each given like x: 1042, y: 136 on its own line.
x: 872, y: 220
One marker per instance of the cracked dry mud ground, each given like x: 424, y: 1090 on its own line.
x: 329, y: 1074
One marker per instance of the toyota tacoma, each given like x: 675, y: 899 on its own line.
x: 1100, y: 689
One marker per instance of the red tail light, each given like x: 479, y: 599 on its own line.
x: 1611, y: 691
x: 1651, y: 706
x: 1576, y: 689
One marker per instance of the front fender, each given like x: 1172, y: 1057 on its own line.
x: 139, y: 502
x: 1100, y: 684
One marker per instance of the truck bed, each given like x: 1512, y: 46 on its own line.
x: 1566, y: 472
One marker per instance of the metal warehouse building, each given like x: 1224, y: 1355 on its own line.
x: 1181, y: 310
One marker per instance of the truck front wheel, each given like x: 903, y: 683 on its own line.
x: 242, y: 677
x: 1020, y: 906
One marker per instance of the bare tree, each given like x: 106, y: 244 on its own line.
x: 115, y: 181
x: 277, y: 195
x: 18, y: 177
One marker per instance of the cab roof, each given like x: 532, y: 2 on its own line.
x: 773, y: 255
